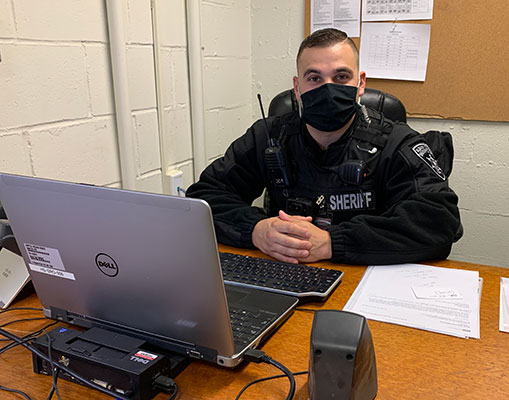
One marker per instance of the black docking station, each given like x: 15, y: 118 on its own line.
x: 113, y: 361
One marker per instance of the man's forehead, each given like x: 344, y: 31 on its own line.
x: 338, y: 56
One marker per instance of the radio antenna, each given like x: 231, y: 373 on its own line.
x: 269, y: 140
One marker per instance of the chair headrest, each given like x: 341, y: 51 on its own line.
x: 389, y: 105
x: 386, y: 103
x: 283, y: 103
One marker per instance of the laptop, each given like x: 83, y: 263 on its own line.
x: 13, y: 276
x: 141, y: 264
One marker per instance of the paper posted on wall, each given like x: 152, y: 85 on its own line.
x: 442, y: 300
x: 504, y: 305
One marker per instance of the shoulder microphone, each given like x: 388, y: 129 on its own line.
x: 351, y: 172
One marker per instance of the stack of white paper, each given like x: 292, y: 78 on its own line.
x: 504, y: 304
x: 437, y: 299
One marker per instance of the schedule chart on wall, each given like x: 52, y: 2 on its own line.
x: 395, y: 51
x: 340, y: 14
x: 391, y: 10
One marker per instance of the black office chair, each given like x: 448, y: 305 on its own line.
x: 389, y: 105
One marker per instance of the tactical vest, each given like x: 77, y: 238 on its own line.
x: 319, y: 190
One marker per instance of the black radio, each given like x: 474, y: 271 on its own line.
x: 276, y: 159
x: 276, y: 163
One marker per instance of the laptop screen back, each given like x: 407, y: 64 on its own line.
x: 143, y: 261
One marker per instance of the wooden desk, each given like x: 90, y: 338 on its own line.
x: 411, y: 363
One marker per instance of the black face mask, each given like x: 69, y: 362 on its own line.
x: 329, y: 107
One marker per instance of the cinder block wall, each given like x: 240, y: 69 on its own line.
x: 226, y: 42
x: 57, y: 109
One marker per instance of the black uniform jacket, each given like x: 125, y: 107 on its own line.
x: 402, y: 211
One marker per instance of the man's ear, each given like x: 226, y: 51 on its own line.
x: 296, y: 88
x: 362, y: 84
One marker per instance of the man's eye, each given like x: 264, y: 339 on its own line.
x: 342, y: 78
x: 314, y: 78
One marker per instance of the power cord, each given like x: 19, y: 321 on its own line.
x: 25, y: 338
x: 20, y: 308
x: 22, y: 320
x: 259, y: 356
x: 54, y: 371
x: 26, y: 396
x: 167, y: 385
x: 267, y: 378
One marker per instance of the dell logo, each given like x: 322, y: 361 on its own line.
x: 106, y: 264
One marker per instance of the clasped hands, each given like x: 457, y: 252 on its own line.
x: 292, y: 238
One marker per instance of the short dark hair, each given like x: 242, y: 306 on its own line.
x: 325, y: 38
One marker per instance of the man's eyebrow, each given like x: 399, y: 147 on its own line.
x: 316, y: 71
x: 344, y: 69
x: 311, y: 71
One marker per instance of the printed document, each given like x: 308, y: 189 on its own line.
x: 504, y: 305
x: 382, y: 10
x: 395, y: 51
x: 442, y: 300
x: 341, y: 14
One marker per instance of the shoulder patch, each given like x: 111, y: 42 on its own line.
x: 423, y: 151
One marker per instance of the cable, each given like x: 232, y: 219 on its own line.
x: 62, y: 367
x: 20, y: 308
x: 19, y: 320
x: 54, y: 388
x: 54, y: 371
x: 259, y: 356
x: 167, y: 385
x: 26, y: 396
x: 277, y: 364
x: 22, y: 320
x: 174, y: 395
x: 25, y: 338
x: 268, y: 378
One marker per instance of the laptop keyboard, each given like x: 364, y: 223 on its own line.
x: 305, y: 282
x: 247, y: 325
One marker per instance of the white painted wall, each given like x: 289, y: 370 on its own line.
x: 226, y: 40
x: 278, y: 29
x: 57, y: 111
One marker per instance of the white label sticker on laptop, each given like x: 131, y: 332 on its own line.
x: 52, y: 271
x: 44, y: 256
x: 47, y: 261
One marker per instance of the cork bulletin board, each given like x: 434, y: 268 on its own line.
x: 468, y: 66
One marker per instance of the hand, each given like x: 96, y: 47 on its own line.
x: 284, y: 240
x: 321, y: 247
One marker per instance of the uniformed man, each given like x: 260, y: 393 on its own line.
x: 343, y: 182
